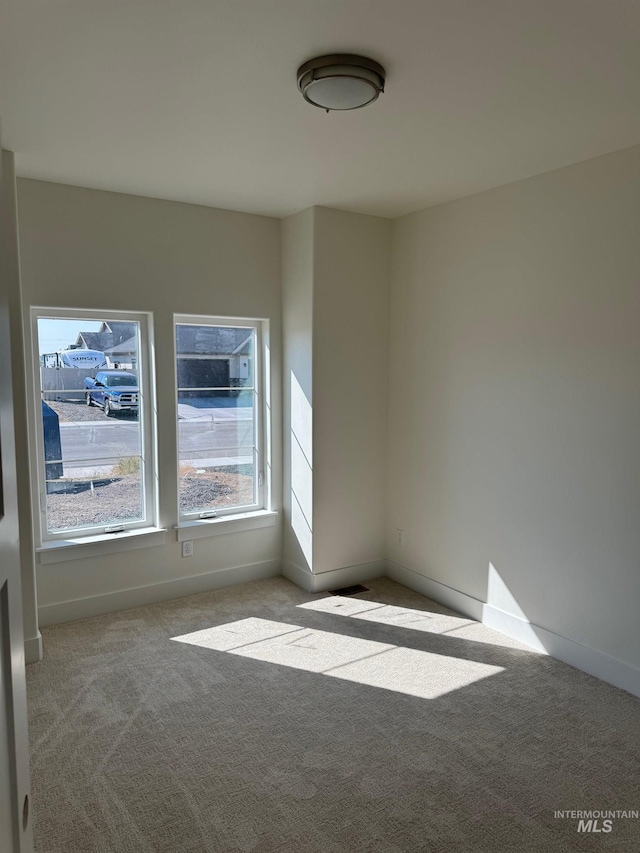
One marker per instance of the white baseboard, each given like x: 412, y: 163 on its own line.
x: 513, y: 626
x: 33, y: 648
x: 591, y: 661
x: 96, y: 605
x: 297, y: 575
x: 440, y: 592
x: 334, y: 579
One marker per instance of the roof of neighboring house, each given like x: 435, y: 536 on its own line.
x: 125, y: 348
x: 90, y: 340
x: 212, y: 340
x: 120, y: 339
x: 110, y: 335
x: 121, y: 331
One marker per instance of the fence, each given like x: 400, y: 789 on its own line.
x: 64, y: 383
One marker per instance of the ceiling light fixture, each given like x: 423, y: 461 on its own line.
x: 341, y: 81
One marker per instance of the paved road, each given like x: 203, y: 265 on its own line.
x: 95, y: 445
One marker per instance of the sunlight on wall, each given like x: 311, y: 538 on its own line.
x: 302, y: 469
x: 303, y: 532
x: 500, y: 596
x: 390, y: 667
x: 500, y: 609
x: 404, y: 617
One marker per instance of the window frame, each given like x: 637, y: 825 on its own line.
x: 145, y: 371
x: 261, y: 422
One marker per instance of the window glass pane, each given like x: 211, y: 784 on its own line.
x: 216, y: 417
x: 93, y: 446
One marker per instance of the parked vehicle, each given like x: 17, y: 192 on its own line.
x: 86, y: 358
x: 113, y: 390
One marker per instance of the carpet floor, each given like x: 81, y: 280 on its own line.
x: 263, y: 719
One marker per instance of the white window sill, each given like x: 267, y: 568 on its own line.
x: 201, y: 527
x: 81, y: 547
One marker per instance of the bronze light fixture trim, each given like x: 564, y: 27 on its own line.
x: 341, y: 81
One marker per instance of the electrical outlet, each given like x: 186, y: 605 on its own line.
x: 187, y: 548
x: 399, y: 537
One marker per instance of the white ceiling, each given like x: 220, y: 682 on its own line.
x: 197, y: 101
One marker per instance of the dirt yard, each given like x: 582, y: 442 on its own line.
x: 77, y: 411
x: 110, y: 500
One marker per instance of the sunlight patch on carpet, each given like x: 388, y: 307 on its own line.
x: 414, y: 620
x: 411, y: 671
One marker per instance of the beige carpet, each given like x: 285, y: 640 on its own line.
x: 262, y: 718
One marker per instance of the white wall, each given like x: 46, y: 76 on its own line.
x: 514, y: 429
x: 92, y: 249
x: 297, y: 348
x: 335, y: 323
x: 350, y: 365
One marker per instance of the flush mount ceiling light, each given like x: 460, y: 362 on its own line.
x: 341, y: 81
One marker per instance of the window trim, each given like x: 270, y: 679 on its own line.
x: 85, y: 547
x: 210, y: 525
x: 145, y: 369
x: 237, y: 523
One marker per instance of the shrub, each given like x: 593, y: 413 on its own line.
x: 127, y: 465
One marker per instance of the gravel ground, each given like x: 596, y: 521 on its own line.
x: 111, y: 500
x: 77, y: 411
x: 115, y: 499
x: 223, y: 487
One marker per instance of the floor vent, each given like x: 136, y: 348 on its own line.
x: 349, y: 590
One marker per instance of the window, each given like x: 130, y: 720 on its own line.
x: 94, y: 436
x: 221, y: 416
